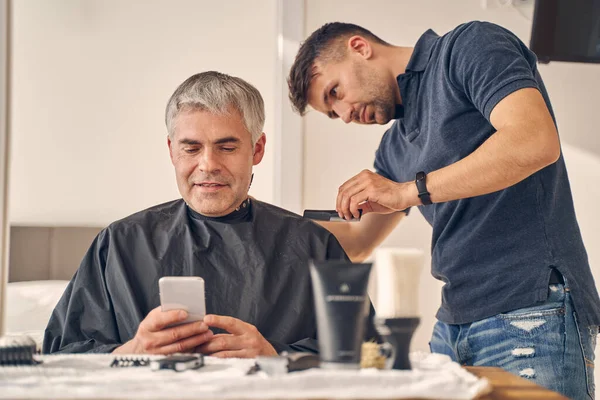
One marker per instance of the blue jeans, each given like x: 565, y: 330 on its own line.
x: 544, y: 344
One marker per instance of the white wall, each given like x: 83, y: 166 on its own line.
x: 342, y: 151
x: 91, y: 79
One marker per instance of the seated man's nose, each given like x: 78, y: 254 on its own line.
x: 208, y: 163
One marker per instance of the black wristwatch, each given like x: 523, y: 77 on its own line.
x: 422, y: 188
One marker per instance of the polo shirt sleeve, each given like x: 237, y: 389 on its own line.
x: 380, y: 164
x: 487, y: 63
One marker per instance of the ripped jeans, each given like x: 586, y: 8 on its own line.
x: 544, y: 344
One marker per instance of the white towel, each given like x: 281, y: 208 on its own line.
x: 89, y: 376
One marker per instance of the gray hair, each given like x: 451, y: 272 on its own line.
x: 217, y: 92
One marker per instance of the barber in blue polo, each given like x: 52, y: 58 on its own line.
x: 474, y: 146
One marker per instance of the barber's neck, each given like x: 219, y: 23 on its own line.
x: 397, y: 59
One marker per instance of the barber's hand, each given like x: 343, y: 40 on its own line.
x: 242, y: 341
x: 372, y: 192
x: 155, y: 337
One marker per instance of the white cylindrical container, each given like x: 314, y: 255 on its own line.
x: 398, y: 272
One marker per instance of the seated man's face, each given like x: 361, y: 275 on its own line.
x: 213, y: 157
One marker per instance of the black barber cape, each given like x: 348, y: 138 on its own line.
x: 254, y: 262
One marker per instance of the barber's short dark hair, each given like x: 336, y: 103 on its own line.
x: 321, y: 45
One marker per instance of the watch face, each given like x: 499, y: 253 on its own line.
x: 420, y: 175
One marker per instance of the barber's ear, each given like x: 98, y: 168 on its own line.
x: 361, y: 46
x: 259, y: 150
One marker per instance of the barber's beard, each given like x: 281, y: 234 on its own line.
x: 383, y: 103
x: 384, y: 111
x: 382, y: 96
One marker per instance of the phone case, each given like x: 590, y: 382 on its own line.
x: 183, y: 293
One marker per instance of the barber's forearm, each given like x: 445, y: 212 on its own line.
x: 349, y: 239
x: 359, y: 239
x: 505, y: 159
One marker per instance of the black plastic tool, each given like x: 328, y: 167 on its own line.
x: 329, y: 215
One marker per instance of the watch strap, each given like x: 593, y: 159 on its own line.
x: 421, y: 183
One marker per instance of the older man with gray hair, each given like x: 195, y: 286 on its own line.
x: 252, y: 256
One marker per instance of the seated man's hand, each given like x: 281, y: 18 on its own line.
x: 154, y: 336
x: 242, y: 341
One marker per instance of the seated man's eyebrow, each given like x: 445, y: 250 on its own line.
x: 228, y: 139
x: 189, y: 141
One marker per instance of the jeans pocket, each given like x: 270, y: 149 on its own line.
x: 542, y: 319
x: 587, y: 341
x: 532, y: 322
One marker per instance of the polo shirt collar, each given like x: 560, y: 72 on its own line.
x: 420, y: 56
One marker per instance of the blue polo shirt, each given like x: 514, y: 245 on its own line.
x: 493, y: 252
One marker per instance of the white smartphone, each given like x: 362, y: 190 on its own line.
x: 183, y: 293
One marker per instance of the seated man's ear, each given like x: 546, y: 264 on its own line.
x: 259, y: 149
x: 169, y: 144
